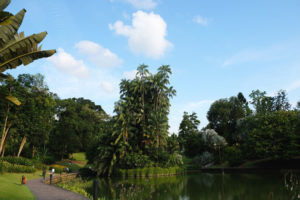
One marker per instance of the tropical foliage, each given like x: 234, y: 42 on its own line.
x: 15, y: 50
x: 236, y: 133
x: 138, y: 133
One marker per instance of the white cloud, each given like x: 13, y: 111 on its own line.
x: 108, y: 87
x: 67, y: 63
x: 141, y: 4
x: 146, y: 35
x: 295, y: 85
x: 101, y: 86
x: 130, y: 74
x: 200, y: 20
x: 98, y: 55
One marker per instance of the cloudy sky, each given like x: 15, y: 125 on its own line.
x: 215, y: 48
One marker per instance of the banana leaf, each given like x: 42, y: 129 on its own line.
x: 4, y: 4
x: 25, y: 59
x: 20, y: 45
x: 9, y: 27
x: 4, y: 16
x: 13, y: 100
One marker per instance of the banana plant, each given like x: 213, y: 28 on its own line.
x: 16, y: 49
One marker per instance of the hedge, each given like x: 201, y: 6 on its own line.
x: 23, y: 161
x: 8, y: 167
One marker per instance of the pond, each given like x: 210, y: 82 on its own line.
x: 196, y: 186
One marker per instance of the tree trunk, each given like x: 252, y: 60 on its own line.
x: 157, y: 138
x: 3, y: 150
x: 33, y: 151
x: 5, y: 129
x: 21, y: 146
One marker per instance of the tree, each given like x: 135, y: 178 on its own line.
x: 78, y: 122
x: 36, y: 115
x: 224, y: 114
x: 266, y: 104
x: 271, y: 136
x: 188, y: 128
x: 213, y: 141
x: 140, y: 132
x: 15, y: 50
x: 8, y: 86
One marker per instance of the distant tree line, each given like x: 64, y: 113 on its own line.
x: 266, y: 127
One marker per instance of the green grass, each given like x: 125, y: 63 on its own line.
x: 80, y: 157
x: 11, y: 187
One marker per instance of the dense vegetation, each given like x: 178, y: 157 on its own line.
x: 37, y: 124
x: 137, y: 136
x: 48, y: 128
x: 236, y: 133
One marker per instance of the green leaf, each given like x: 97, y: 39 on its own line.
x: 9, y: 27
x: 4, y: 4
x: 20, y: 45
x: 25, y: 59
x: 13, y: 100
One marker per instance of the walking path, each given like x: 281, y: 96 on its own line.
x: 44, y: 191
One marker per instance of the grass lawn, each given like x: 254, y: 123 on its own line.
x: 11, y: 187
x: 80, y: 157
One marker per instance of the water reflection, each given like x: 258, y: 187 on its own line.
x: 204, y: 186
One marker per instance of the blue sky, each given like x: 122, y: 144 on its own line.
x: 215, y: 48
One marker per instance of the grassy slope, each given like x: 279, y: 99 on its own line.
x: 11, y: 187
x: 80, y: 157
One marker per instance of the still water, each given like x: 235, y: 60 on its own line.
x: 204, y: 186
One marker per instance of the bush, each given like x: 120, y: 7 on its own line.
x: 135, y: 160
x: 197, y: 162
x: 58, y: 168
x: 48, y: 160
x: 206, y: 158
x: 175, y: 159
x: 18, y: 160
x: 8, y: 167
x: 87, y: 172
x: 233, y: 155
x: 23, y: 161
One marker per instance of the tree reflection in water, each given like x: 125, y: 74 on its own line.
x: 268, y: 186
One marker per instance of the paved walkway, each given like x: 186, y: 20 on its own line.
x: 44, y: 191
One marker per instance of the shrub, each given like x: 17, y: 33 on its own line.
x: 87, y: 172
x: 175, y: 159
x: 197, y: 161
x: 48, y: 160
x: 58, y: 168
x: 233, y: 155
x: 206, y: 158
x: 135, y: 160
x: 8, y: 167
x: 18, y: 160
